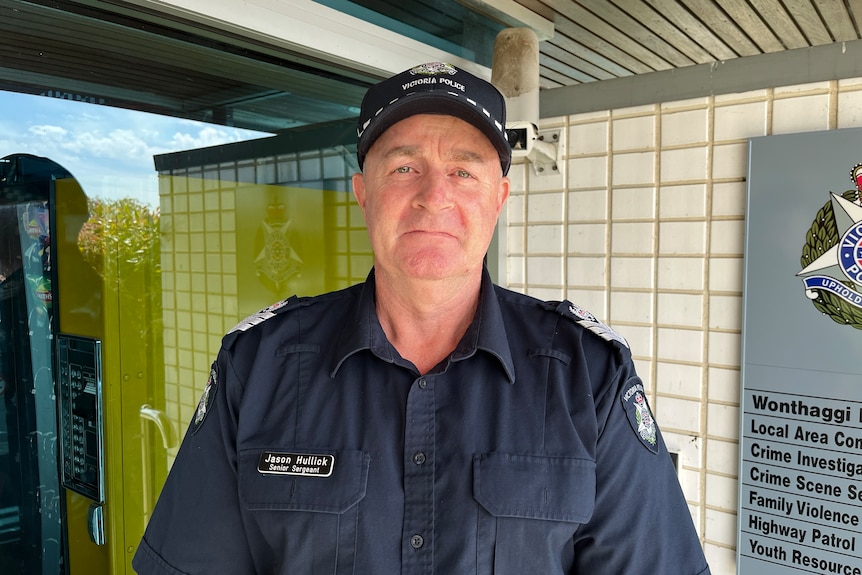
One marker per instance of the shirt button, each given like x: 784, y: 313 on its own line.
x: 418, y: 458
x: 422, y: 383
x: 417, y: 541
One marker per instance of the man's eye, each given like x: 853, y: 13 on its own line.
x: 464, y: 174
x: 402, y: 169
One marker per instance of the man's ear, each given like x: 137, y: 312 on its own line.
x: 505, y: 186
x: 359, y: 189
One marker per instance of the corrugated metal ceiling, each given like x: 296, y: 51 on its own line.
x: 603, y: 39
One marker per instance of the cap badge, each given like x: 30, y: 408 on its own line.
x: 434, y: 68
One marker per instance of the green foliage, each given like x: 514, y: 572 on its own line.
x: 124, y: 231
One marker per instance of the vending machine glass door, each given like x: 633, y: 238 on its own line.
x: 31, y: 498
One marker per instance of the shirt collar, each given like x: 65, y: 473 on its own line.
x: 487, y: 332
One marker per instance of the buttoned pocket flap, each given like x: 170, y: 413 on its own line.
x: 535, y: 486
x: 319, y: 480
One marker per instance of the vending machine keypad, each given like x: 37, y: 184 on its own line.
x: 80, y: 383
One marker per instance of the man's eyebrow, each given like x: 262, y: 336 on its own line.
x: 465, y: 156
x: 409, y: 151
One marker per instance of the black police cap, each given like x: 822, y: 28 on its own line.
x: 434, y: 88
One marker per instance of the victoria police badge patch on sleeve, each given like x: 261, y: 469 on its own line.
x: 639, y: 415
x: 206, y: 399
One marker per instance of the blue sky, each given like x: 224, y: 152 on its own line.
x: 109, y: 150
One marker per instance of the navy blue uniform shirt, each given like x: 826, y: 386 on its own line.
x: 317, y: 449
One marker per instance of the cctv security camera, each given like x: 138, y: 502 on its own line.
x: 521, y: 136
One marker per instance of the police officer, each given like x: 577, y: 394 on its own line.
x: 425, y: 421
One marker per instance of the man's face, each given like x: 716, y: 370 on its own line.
x: 431, y: 191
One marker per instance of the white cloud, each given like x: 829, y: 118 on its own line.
x: 45, y: 131
x: 116, y: 145
x: 107, y: 149
x: 207, y: 136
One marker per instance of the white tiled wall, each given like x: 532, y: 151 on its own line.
x: 643, y: 223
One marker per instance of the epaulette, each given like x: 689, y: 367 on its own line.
x: 588, y: 321
x: 259, y: 317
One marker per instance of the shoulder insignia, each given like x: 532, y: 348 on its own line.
x: 638, y: 413
x: 588, y: 321
x: 206, y: 399
x: 261, y: 316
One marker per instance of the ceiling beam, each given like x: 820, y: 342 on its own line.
x: 800, y: 66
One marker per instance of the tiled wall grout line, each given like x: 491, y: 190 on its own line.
x: 656, y: 239
x: 609, y: 202
x: 833, y: 105
x: 525, y: 237
x: 704, y: 389
x: 563, y: 167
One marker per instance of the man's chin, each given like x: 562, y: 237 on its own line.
x: 434, y: 268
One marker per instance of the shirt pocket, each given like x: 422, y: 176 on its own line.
x: 533, y: 504
x: 307, y: 522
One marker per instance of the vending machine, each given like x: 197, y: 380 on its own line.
x: 80, y: 443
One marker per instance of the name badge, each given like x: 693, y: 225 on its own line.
x: 296, y: 464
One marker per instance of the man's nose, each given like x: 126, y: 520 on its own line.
x: 435, y: 192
